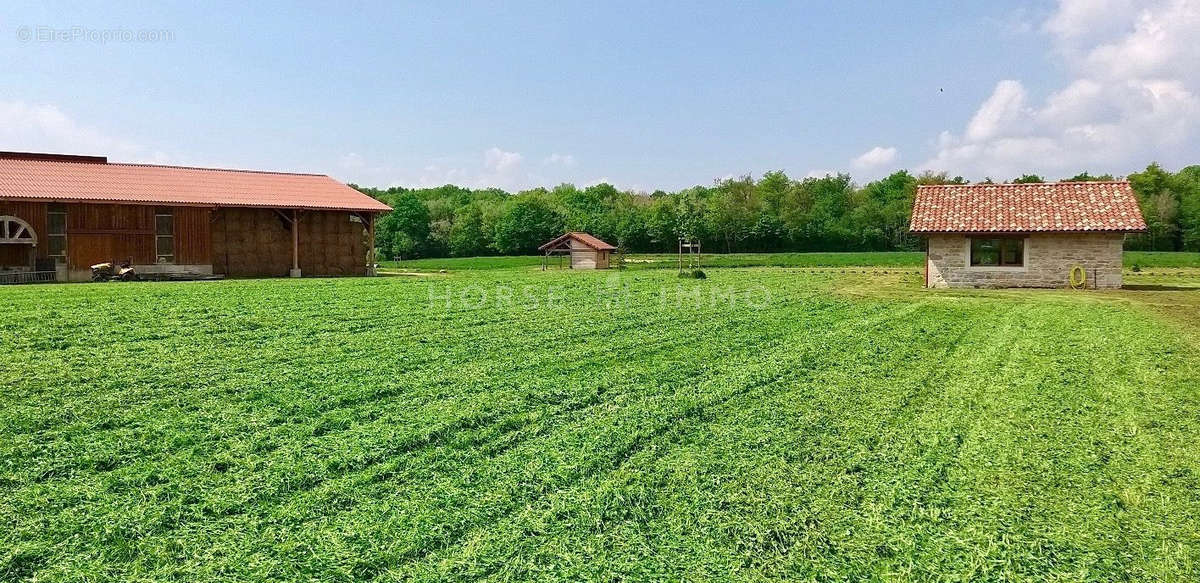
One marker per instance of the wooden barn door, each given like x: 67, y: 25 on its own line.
x: 98, y: 233
x: 88, y: 250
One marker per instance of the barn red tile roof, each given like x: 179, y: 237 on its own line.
x: 584, y: 238
x: 25, y: 176
x: 1026, y: 208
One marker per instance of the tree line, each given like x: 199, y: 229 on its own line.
x: 771, y: 213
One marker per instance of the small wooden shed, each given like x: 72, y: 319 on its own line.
x: 586, y: 251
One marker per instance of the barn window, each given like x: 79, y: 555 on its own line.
x: 997, y: 252
x: 56, y: 232
x: 164, y: 235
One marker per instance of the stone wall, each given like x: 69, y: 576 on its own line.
x: 1049, y: 258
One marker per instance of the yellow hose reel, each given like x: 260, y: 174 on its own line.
x: 1078, y: 277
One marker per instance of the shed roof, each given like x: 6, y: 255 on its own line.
x: 1027, y: 208
x: 50, y: 177
x: 582, y: 237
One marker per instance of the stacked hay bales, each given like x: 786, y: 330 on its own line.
x: 258, y: 243
x: 332, y: 244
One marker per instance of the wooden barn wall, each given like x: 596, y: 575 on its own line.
x: 258, y: 243
x: 193, y: 239
x: 14, y: 256
x: 94, y: 219
x: 33, y: 213
x: 84, y: 250
x: 97, y: 233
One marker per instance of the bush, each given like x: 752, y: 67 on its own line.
x: 693, y: 274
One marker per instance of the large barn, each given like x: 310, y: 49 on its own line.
x: 1026, y: 235
x: 60, y: 214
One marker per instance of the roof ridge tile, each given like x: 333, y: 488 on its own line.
x: 211, y: 169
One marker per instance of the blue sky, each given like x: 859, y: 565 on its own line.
x: 661, y: 96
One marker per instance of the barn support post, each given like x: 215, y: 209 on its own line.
x: 295, y: 272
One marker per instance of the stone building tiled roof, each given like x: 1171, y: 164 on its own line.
x: 1027, y: 208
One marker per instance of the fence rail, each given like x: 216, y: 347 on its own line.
x: 27, y: 277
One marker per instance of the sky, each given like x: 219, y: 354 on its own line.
x: 643, y: 95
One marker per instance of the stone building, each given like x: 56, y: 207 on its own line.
x: 1025, y: 235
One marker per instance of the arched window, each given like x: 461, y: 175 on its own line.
x: 14, y: 230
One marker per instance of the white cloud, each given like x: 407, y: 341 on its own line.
x: 556, y: 159
x: 499, y: 161
x: 1081, y: 20
x: 1132, y: 97
x: 875, y: 157
x: 1162, y: 44
x: 46, y: 128
x: 999, y: 112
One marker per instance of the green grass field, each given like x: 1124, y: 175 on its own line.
x: 1143, y: 259
x: 671, y: 261
x: 1152, y: 259
x: 510, y: 424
